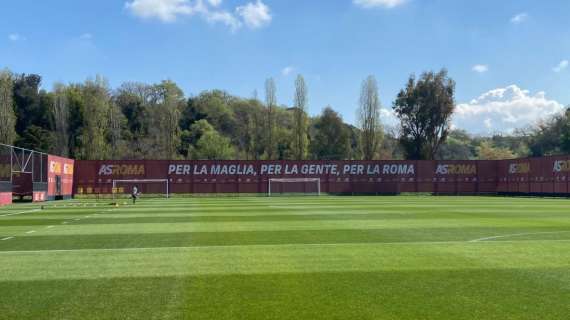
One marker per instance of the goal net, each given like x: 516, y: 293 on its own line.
x: 147, y: 188
x: 305, y: 186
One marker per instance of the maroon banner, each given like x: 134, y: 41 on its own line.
x: 371, y: 177
x: 548, y: 175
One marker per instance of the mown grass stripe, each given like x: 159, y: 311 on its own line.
x: 54, y: 240
x: 305, y: 258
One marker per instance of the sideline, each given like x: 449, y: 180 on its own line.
x: 275, y: 246
x: 517, y: 235
x: 17, y: 213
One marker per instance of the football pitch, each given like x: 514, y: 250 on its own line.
x: 406, y: 257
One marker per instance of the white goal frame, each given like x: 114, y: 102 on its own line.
x: 166, y: 181
x: 294, y: 180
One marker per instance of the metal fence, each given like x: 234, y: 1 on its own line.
x: 16, y: 160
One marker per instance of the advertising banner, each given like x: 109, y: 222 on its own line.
x: 367, y: 177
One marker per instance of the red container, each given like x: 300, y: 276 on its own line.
x: 60, y: 178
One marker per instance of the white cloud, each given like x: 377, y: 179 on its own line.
x: 287, y: 71
x: 223, y: 17
x: 561, y: 66
x: 164, y: 10
x: 388, y: 117
x: 519, y: 18
x: 86, y: 36
x: 15, y: 37
x: 504, y: 109
x: 215, y: 3
x: 255, y: 15
x: 480, y: 68
x: 378, y: 3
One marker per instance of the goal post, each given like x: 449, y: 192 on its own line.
x: 147, y: 187
x: 295, y: 185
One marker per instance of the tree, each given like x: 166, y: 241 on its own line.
x: 565, y: 136
x: 27, y: 102
x: 369, y: 119
x: 487, y: 151
x: 77, y: 119
x: 37, y: 138
x: 550, y: 137
x: 270, y: 104
x: 33, y: 108
x: 170, y: 102
x: 210, y: 145
x: 301, y: 123
x: 424, y: 109
x: 458, y: 146
x: 94, y: 134
x: 61, y: 120
x: 115, y: 134
x: 249, y: 133
x: 7, y: 115
x: 213, y: 106
x: 133, y: 100
x: 331, y: 140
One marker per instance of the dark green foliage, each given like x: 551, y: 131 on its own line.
x: 458, y: 146
x: 209, y: 143
x: 89, y: 120
x: 551, y: 137
x: 425, y: 108
x: 36, y: 138
x: 331, y: 137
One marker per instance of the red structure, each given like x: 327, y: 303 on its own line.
x: 539, y: 176
x: 5, y: 177
x: 60, y: 178
x: 28, y: 174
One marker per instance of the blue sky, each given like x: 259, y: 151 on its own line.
x: 509, y: 58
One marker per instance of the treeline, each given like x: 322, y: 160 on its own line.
x: 90, y: 120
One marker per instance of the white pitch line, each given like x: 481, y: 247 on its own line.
x: 517, y: 235
x: 7, y: 238
x: 49, y: 227
x: 17, y: 213
x: 280, y: 246
x: 29, y: 232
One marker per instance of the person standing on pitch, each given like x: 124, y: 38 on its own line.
x: 135, y: 194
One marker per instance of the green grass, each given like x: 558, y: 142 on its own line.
x: 405, y: 257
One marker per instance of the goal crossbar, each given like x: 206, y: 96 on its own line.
x: 294, y: 180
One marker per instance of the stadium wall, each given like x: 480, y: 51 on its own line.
x: 541, y: 176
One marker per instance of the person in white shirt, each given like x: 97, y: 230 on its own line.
x: 135, y: 194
